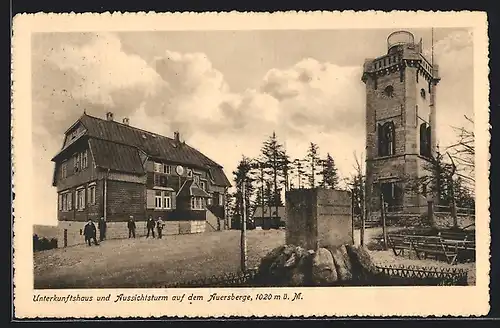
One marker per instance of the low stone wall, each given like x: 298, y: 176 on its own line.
x: 119, y: 230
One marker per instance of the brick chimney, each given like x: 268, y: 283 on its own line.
x: 177, y: 137
x: 109, y: 116
x: 126, y: 120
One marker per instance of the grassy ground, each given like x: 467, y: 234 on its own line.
x: 149, y: 262
x: 152, y: 262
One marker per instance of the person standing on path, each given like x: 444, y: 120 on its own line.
x: 159, y: 227
x: 151, y: 227
x: 90, y: 232
x: 102, y: 225
x: 131, y: 227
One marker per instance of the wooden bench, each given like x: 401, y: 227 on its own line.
x: 434, y: 246
x: 423, y: 246
x: 399, y: 243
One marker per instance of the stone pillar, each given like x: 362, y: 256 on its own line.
x: 318, y: 218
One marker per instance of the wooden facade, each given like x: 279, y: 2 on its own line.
x: 106, y: 168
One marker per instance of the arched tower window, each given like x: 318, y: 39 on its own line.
x: 386, y: 139
x: 425, y: 140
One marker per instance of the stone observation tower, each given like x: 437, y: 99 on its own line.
x: 400, y: 123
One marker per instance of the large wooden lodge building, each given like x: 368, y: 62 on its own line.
x: 111, y: 169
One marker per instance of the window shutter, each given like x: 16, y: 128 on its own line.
x: 150, y: 198
x: 174, y: 200
x: 83, y: 198
x: 60, y: 202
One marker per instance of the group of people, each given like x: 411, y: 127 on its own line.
x: 151, y: 225
x: 90, y: 230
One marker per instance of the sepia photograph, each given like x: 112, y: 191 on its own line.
x: 253, y: 158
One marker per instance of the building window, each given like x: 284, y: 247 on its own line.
x: 66, y: 200
x: 389, y: 91
x: 84, y: 160
x: 167, y: 201
x: 167, y: 169
x: 91, y: 195
x: 425, y: 140
x: 189, y: 173
x: 203, y: 185
x: 401, y: 74
x: 157, y: 167
x: 375, y: 83
x: 76, y: 162
x: 197, y: 203
x: 64, y: 170
x: 422, y: 93
x: 160, y: 180
x: 221, y: 199
x: 197, y: 179
x: 386, y: 139
x: 163, y: 200
x: 158, y: 197
x: 209, y: 201
x: 418, y: 73
x: 80, y: 199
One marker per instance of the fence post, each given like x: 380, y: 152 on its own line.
x: 243, y: 229
x: 353, y: 228
x: 65, y: 238
x: 363, y: 213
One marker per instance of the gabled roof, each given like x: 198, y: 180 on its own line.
x: 190, y: 189
x: 154, y: 145
x: 116, y: 157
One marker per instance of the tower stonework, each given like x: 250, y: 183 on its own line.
x: 400, y: 124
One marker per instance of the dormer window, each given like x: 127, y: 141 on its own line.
x: 389, y: 91
x: 189, y: 173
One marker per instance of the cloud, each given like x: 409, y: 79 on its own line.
x: 310, y: 101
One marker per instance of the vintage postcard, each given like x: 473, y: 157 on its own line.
x: 251, y: 164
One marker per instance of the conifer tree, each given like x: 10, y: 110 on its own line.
x: 274, y: 157
x: 313, y: 164
x: 329, y: 173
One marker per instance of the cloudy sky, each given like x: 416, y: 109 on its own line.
x: 226, y: 91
